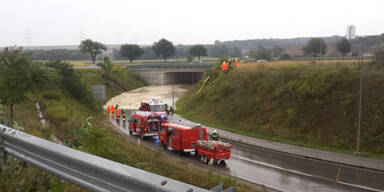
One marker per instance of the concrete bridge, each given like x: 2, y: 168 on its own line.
x: 165, y: 73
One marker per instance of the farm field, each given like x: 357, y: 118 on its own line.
x: 295, y: 63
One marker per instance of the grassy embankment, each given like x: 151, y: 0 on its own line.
x: 313, y: 105
x: 66, y: 117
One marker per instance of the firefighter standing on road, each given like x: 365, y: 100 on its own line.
x: 166, y: 108
x: 118, y: 116
x: 113, y: 110
x: 124, y: 116
x: 214, y: 135
x: 108, y: 109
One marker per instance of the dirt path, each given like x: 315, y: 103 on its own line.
x: 132, y: 99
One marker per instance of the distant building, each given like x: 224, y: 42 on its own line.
x: 351, y: 32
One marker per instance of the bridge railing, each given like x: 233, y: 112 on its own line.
x: 88, y: 171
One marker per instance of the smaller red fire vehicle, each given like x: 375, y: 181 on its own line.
x: 216, y: 151
x: 194, y: 140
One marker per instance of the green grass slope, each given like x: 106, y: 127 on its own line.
x: 67, y: 116
x: 311, y: 105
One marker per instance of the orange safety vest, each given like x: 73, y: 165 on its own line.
x: 236, y: 64
x: 224, y: 66
x: 113, y: 108
x: 108, y: 109
x: 118, y: 112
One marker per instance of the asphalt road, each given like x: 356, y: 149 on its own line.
x: 292, y: 173
x: 285, y: 172
x: 289, y: 172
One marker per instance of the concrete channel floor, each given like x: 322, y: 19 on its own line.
x: 329, y: 156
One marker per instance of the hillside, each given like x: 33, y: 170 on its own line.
x: 81, y: 124
x: 310, y: 105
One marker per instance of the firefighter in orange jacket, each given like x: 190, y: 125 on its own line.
x: 118, y: 115
x: 224, y: 66
x: 113, y: 110
x: 108, y: 109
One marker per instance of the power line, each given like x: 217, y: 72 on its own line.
x: 28, y: 36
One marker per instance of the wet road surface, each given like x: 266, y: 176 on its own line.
x: 274, y: 169
x: 293, y: 173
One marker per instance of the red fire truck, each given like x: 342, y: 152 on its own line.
x: 155, y: 107
x: 180, y: 138
x: 194, y: 140
x: 144, y: 124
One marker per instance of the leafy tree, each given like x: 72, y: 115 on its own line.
x: 163, y: 48
x: 315, y: 47
x: 71, y: 82
x: 261, y: 53
x: 2, y: 114
x: 343, y: 46
x: 198, y: 51
x: 285, y: 56
x: 107, y: 66
x: 93, y: 48
x: 18, y: 76
x: 131, y: 51
x: 276, y: 51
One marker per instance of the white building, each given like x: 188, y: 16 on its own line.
x: 351, y: 32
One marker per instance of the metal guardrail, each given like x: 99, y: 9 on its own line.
x: 88, y: 171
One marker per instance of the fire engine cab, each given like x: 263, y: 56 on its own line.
x: 144, y: 124
x: 155, y: 107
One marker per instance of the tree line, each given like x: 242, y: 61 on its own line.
x: 164, y: 49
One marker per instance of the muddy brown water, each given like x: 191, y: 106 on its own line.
x: 132, y: 99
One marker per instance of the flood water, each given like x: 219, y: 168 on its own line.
x: 165, y: 93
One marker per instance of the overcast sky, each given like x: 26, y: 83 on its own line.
x: 66, y: 22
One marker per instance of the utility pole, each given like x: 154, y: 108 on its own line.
x: 173, y: 90
x: 360, y: 97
